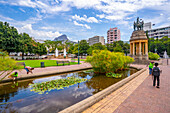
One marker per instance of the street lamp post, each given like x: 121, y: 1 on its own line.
x: 78, y: 54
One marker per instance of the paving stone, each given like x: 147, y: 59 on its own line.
x: 138, y: 96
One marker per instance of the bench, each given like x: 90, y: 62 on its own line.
x: 62, y: 62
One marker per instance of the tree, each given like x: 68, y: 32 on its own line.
x: 160, y: 45
x: 118, y: 48
x: 40, y: 49
x: 126, y: 48
x: 97, y: 46
x: 11, y: 41
x: 83, y: 47
x: 71, y: 49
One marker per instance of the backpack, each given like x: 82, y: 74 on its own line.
x: 156, y: 71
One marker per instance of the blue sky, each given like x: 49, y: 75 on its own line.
x: 82, y: 19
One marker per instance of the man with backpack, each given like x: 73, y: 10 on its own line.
x: 156, y: 73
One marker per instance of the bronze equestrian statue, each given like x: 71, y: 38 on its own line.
x: 138, y: 24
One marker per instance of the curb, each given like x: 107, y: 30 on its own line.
x: 84, y: 104
x: 46, y: 74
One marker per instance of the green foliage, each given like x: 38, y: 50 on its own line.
x: 88, y: 71
x: 104, y: 61
x: 118, y: 46
x: 153, y: 56
x: 55, y: 84
x: 7, y: 65
x: 160, y: 45
x: 97, y: 46
x: 12, y: 41
x: 114, y: 75
x: 83, y: 47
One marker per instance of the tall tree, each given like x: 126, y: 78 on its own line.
x: 97, y: 46
x: 83, y: 47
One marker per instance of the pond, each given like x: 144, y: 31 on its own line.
x: 16, y: 96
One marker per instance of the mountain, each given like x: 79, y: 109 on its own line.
x: 61, y: 38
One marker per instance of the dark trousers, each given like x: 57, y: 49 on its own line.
x: 154, y: 80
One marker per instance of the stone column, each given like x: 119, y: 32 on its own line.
x: 139, y: 48
x: 133, y: 48
x: 143, y: 49
x: 130, y: 48
x: 146, y: 48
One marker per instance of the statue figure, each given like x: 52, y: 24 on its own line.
x: 138, y: 24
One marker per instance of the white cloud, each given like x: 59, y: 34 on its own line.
x: 48, y: 28
x: 106, y: 7
x: 85, y: 18
x: 37, y: 33
x: 101, y: 16
x: 5, y: 18
x: 22, y: 10
x: 83, y: 25
x: 27, y: 3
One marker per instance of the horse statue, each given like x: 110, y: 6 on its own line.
x: 138, y: 24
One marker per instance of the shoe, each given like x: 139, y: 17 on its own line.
x: 157, y: 86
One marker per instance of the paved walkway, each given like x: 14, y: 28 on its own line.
x: 138, y: 96
x: 49, y: 70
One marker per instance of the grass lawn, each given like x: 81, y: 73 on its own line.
x: 47, y: 63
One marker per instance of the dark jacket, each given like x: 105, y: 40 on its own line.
x: 156, y: 71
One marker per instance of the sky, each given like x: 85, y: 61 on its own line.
x: 82, y: 19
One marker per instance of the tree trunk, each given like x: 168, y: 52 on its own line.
x: 22, y: 55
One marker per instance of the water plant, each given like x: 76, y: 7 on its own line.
x: 47, y: 86
x: 104, y: 61
x: 114, y: 75
x: 88, y: 71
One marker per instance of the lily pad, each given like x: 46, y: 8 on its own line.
x: 58, y: 84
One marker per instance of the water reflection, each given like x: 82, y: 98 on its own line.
x: 11, y: 89
x: 17, y: 97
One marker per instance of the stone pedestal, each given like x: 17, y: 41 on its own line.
x: 139, y: 47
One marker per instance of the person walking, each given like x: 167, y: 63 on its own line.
x: 156, y: 73
x: 151, y: 64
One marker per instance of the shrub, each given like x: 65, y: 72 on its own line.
x: 104, y: 61
x: 153, y: 56
x: 7, y: 65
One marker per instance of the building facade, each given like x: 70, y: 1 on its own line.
x: 147, y: 26
x: 158, y: 32
x: 96, y: 39
x: 113, y: 34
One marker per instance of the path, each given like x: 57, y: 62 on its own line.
x: 138, y: 96
x: 53, y: 69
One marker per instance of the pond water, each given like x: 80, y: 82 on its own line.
x: 16, y: 97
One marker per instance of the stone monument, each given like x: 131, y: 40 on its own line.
x: 139, y: 43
